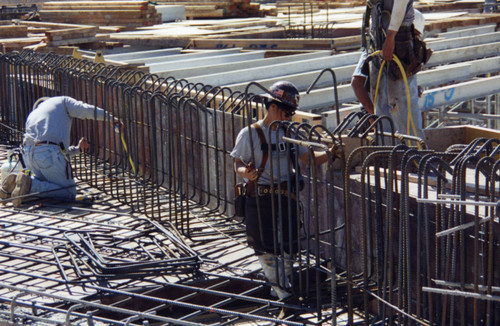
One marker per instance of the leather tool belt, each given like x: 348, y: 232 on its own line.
x: 282, y: 191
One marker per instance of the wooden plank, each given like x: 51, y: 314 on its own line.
x: 7, y: 45
x: 319, y: 44
x: 243, y: 24
x: 194, y: 8
x: 194, y: 1
x: 463, y: 21
x: 96, y: 3
x: 51, y: 25
x: 11, y: 31
x: 200, y: 3
x: 72, y: 41
x: 79, y: 15
x: 21, y: 41
x: 205, y: 13
x: 68, y: 33
x: 91, y: 6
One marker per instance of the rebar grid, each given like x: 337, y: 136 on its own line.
x: 171, y: 163
x: 366, y: 244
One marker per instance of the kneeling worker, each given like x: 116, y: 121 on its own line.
x: 46, y: 150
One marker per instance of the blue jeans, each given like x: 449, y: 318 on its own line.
x: 392, y: 99
x: 51, y: 172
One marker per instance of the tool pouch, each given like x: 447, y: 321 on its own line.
x: 240, y: 196
x: 411, y: 51
x: 296, y: 182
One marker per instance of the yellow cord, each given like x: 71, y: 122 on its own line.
x: 409, y: 119
x: 126, y: 150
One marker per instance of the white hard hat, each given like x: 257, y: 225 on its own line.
x: 419, y: 22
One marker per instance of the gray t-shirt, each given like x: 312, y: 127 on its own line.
x: 386, y: 18
x: 51, y: 120
x: 243, y: 151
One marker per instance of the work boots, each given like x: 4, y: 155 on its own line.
x: 8, y: 186
x: 268, y: 263
x: 23, y: 187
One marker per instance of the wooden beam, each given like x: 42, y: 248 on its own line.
x: 71, y: 33
x: 319, y: 44
x: 215, y: 13
x: 79, y: 15
x: 95, y: 3
x: 10, y: 31
x: 51, y: 25
x: 74, y: 40
x: 91, y: 6
x: 18, y: 43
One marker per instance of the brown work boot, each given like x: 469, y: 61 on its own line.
x: 23, y: 186
x: 8, y: 185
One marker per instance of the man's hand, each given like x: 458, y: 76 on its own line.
x: 247, y: 171
x: 83, y: 145
x: 388, y: 47
x: 251, y: 173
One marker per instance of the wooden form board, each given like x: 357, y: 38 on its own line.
x: 305, y: 44
x: 71, y: 33
x: 217, y: 9
x: 11, y: 44
x: 86, y: 4
x: 121, y: 13
x: 11, y: 31
x: 463, y: 21
x: 80, y: 15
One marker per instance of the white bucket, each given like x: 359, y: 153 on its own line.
x: 11, y: 165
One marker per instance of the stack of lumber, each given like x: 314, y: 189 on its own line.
x: 443, y: 21
x: 15, y: 37
x: 128, y: 14
x: 44, y: 36
x: 449, y: 5
x: 73, y: 35
x: 217, y: 8
x: 332, y: 4
x: 10, y: 31
x: 57, y: 34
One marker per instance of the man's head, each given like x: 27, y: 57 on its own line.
x: 285, y: 95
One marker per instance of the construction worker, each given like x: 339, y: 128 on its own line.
x: 392, y: 32
x: 46, y: 150
x: 281, y: 104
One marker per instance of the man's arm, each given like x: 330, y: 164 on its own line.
x: 358, y: 85
x: 81, y: 110
x: 245, y: 171
x: 397, y: 16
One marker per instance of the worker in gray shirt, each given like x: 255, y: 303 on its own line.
x: 46, y: 149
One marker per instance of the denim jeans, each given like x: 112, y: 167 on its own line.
x: 51, y: 172
x: 392, y: 101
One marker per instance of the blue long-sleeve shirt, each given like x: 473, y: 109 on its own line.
x: 51, y: 120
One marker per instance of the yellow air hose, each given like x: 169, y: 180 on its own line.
x: 409, y: 119
x: 125, y: 147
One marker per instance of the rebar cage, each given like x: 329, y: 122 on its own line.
x: 393, y: 233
